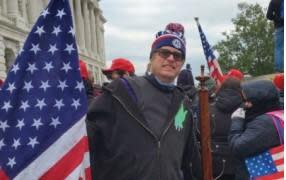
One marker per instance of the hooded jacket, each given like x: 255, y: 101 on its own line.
x: 123, y: 146
x: 225, y: 103
x: 256, y: 133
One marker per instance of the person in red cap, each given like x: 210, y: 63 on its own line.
x: 278, y: 81
x: 86, y: 80
x: 120, y: 67
x: 235, y: 73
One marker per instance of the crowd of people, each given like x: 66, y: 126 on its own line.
x: 146, y: 127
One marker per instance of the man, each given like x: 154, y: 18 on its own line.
x: 185, y: 77
x: 120, y: 67
x: 141, y: 127
x: 275, y: 13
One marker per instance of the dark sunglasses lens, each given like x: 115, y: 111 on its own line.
x: 177, y: 56
x: 165, y: 53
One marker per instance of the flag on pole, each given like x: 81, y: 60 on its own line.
x: 43, y: 104
x: 213, y: 65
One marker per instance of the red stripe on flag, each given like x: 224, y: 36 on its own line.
x: 3, y: 176
x: 279, y: 162
x: 278, y: 175
x: 88, y: 174
x: 277, y: 149
x: 68, y: 162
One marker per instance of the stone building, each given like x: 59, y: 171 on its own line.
x: 18, y: 16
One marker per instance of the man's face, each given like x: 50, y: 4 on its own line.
x: 114, y: 75
x: 166, y: 63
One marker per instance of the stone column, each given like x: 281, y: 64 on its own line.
x: 86, y: 26
x: 72, y: 11
x: 79, y: 24
x: 46, y: 2
x: 24, y: 11
x: 93, y: 31
x: 12, y: 8
x: 34, y: 10
x: 2, y: 59
x: 4, y: 7
x: 97, y: 29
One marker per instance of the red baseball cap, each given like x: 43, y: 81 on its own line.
x: 235, y: 73
x: 120, y: 64
x: 279, y: 81
x: 83, y: 69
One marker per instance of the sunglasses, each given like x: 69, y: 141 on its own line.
x: 165, y: 53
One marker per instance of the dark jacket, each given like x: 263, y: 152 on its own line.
x: 123, y: 147
x: 274, y: 13
x: 225, y: 103
x: 185, y: 78
x: 256, y: 133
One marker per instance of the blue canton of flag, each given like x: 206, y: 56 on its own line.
x: 43, y: 104
x: 213, y: 65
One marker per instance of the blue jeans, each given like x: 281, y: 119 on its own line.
x: 279, y: 49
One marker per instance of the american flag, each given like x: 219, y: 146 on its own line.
x: 269, y: 165
x: 43, y: 104
x: 213, y: 65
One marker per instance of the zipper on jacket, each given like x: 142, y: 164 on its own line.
x: 159, y: 151
x: 146, y: 128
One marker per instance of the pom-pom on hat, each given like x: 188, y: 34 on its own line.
x: 120, y: 64
x: 173, y: 36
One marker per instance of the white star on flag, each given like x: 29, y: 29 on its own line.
x: 35, y: 48
x: 24, y: 105
x: 20, y: 124
x: 48, y: 66
x: 2, y: 144
x: 28, y: 86
x: 41, y: 103
x: 57, y: 30
x: 11, y: 162
x: 66, y: 67
x: 37, y: 123
x: 53, y: 48
x: 59, y: 104
x: 11, y: 87
x: 4, y: 125
x: 40, y: 30
x: 15, y: 68
x: 75, y: 103
x: 55, y: 122
x: 45, y: 85
x: 61, y: 13
x: 7, y: 106
x: 33, y: 142
x: 45, y: 13
x: 62, y: 85
x: 32, y: 67
x: 16, y: 143
x: 69, y: 48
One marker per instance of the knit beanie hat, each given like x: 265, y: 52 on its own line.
x: 173, y: 36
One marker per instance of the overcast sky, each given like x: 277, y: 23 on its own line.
x: 132, y: 24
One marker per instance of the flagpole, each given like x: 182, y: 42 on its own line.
x: 205, y: 136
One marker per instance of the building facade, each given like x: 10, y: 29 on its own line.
x: 18, y: 16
